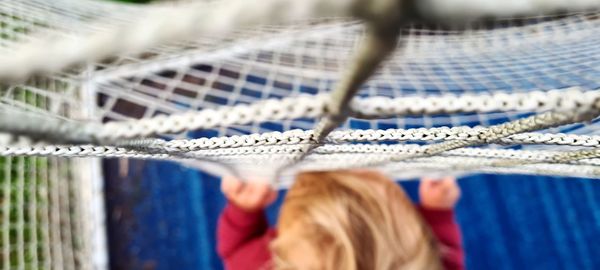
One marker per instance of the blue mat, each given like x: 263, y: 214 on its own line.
x: 163, y: 216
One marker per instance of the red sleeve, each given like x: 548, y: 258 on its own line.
x: 243, y: 239
x: 447, y: 232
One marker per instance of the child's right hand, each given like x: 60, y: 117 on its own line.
x: 439, y: 194
x: 250, y: 196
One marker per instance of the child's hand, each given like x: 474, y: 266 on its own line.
x: 250, y: 196
x: 439, y: 194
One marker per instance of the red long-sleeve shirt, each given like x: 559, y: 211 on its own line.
x: 243, y: 238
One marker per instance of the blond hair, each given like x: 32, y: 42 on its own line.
x: 353, y: 220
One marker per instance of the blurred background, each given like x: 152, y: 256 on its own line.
x: 161, y: 215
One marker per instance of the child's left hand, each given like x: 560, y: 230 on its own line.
x: 439, y: 194
x: 251, y: 195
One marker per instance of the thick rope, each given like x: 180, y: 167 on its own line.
x: 378, y: 43
x: 43, y: 127
x: 486, y: 159
x: 157, y: 25
x: 472, y: 9
x: 367, y: 108
x: 383, y: 19
x: 497, y: 132
x: 299, y: 137
x: 325, y: 154
x: 15, y: 121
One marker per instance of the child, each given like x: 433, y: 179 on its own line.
x: 358, y: 220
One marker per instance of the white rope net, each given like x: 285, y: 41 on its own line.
x: 231, y: 86
x: 43, y: 222
x: 51, y: 208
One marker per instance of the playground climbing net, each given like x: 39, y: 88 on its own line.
x: 299, y: 85
x: 230, y: 86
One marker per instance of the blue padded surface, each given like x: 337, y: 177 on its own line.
x: 163, y: 216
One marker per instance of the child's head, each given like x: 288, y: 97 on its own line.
x: 351, y: 220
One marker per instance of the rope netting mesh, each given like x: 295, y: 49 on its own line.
x: 51, y: 214
x: 43, y: 223
x: 232, y: 86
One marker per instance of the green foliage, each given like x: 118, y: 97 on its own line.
x: 24, y: 181
x: 22, y: 186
